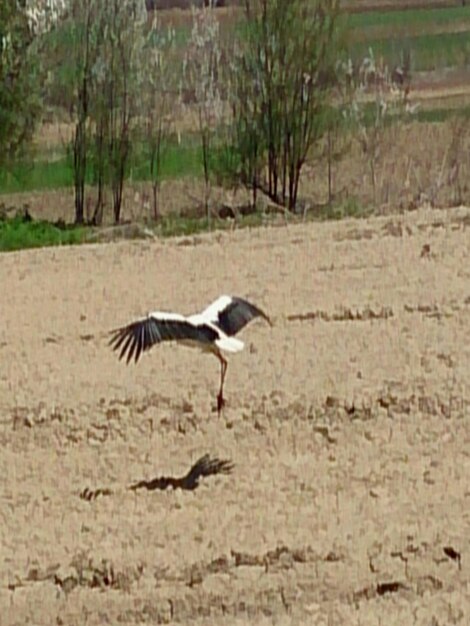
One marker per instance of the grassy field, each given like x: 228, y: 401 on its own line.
x: 426, y: 18
x: 436, y: 38
x: 423, y: 161
x: 388, y: 32
x: 428, y: 52
x: 18, y: 233
x: 368, y: 6
x: 182, y: 159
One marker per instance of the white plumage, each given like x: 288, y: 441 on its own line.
x: 212, y: 331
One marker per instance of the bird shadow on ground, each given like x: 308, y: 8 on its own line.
x: 205, y: 466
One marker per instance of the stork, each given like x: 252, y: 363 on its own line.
x: 212, y: 331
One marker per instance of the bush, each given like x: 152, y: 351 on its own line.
x: 22, y: 232
x: 19, y: 101
x: 284, y: 73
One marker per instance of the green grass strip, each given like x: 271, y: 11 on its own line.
x: 428, y: 52
x: 18, y: 233
x: 403, y: 19
x: 179, y: 160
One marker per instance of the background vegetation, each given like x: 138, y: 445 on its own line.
x: 106, y: 110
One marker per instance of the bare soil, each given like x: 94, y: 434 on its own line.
x: 347, y: 423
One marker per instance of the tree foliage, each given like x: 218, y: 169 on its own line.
x: 105, y: 60
x: 158, y: 88
x: 202, y: 71
x: 19, y: 101
x: 285, y: 69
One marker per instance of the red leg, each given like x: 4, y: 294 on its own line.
x: 220, y: 397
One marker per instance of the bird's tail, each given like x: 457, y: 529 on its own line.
x: 230, y: 344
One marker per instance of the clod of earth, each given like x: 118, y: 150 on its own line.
x: 92, y: 494
x: 453, y: 554
x: 343, y: 315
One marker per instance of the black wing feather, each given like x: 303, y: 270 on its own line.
x: 237, y: 314
x: 138, y: 337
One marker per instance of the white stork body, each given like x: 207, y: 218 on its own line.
x: 211, y: 331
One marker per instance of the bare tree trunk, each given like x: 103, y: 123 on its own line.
x: 330, y: 165
x: 255, y: 178
x: 155, y: 164
x: 97, y: 218
x: 205, y: 161
x: 117, y: 196
x: 80, y: 139
x: 373, y: 179
x: 79, y: 167
x: 285, y: 159
x: 155, y: 189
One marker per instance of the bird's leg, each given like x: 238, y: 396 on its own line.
x: 220, y: 397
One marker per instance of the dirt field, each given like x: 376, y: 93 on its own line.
x: 347, y: 423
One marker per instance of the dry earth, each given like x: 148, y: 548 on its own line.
x: 347, y: 422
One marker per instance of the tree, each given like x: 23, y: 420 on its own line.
x: 105, y: 62
x: 377, y: 100
x: 74, y: 55
x: 285, y: 69
x: 202, y: 69
x: 84, y: 49
x: 22, y: 25
x: 158, y: 87
x: 19, y: 100
x: 115, y: 77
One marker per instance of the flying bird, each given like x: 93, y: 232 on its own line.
x: 205, y: 466
x: 212, y: 331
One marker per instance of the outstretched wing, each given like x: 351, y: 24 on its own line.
x: 231, y: 314
x: 141, y: 335
x: 205, y: 466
